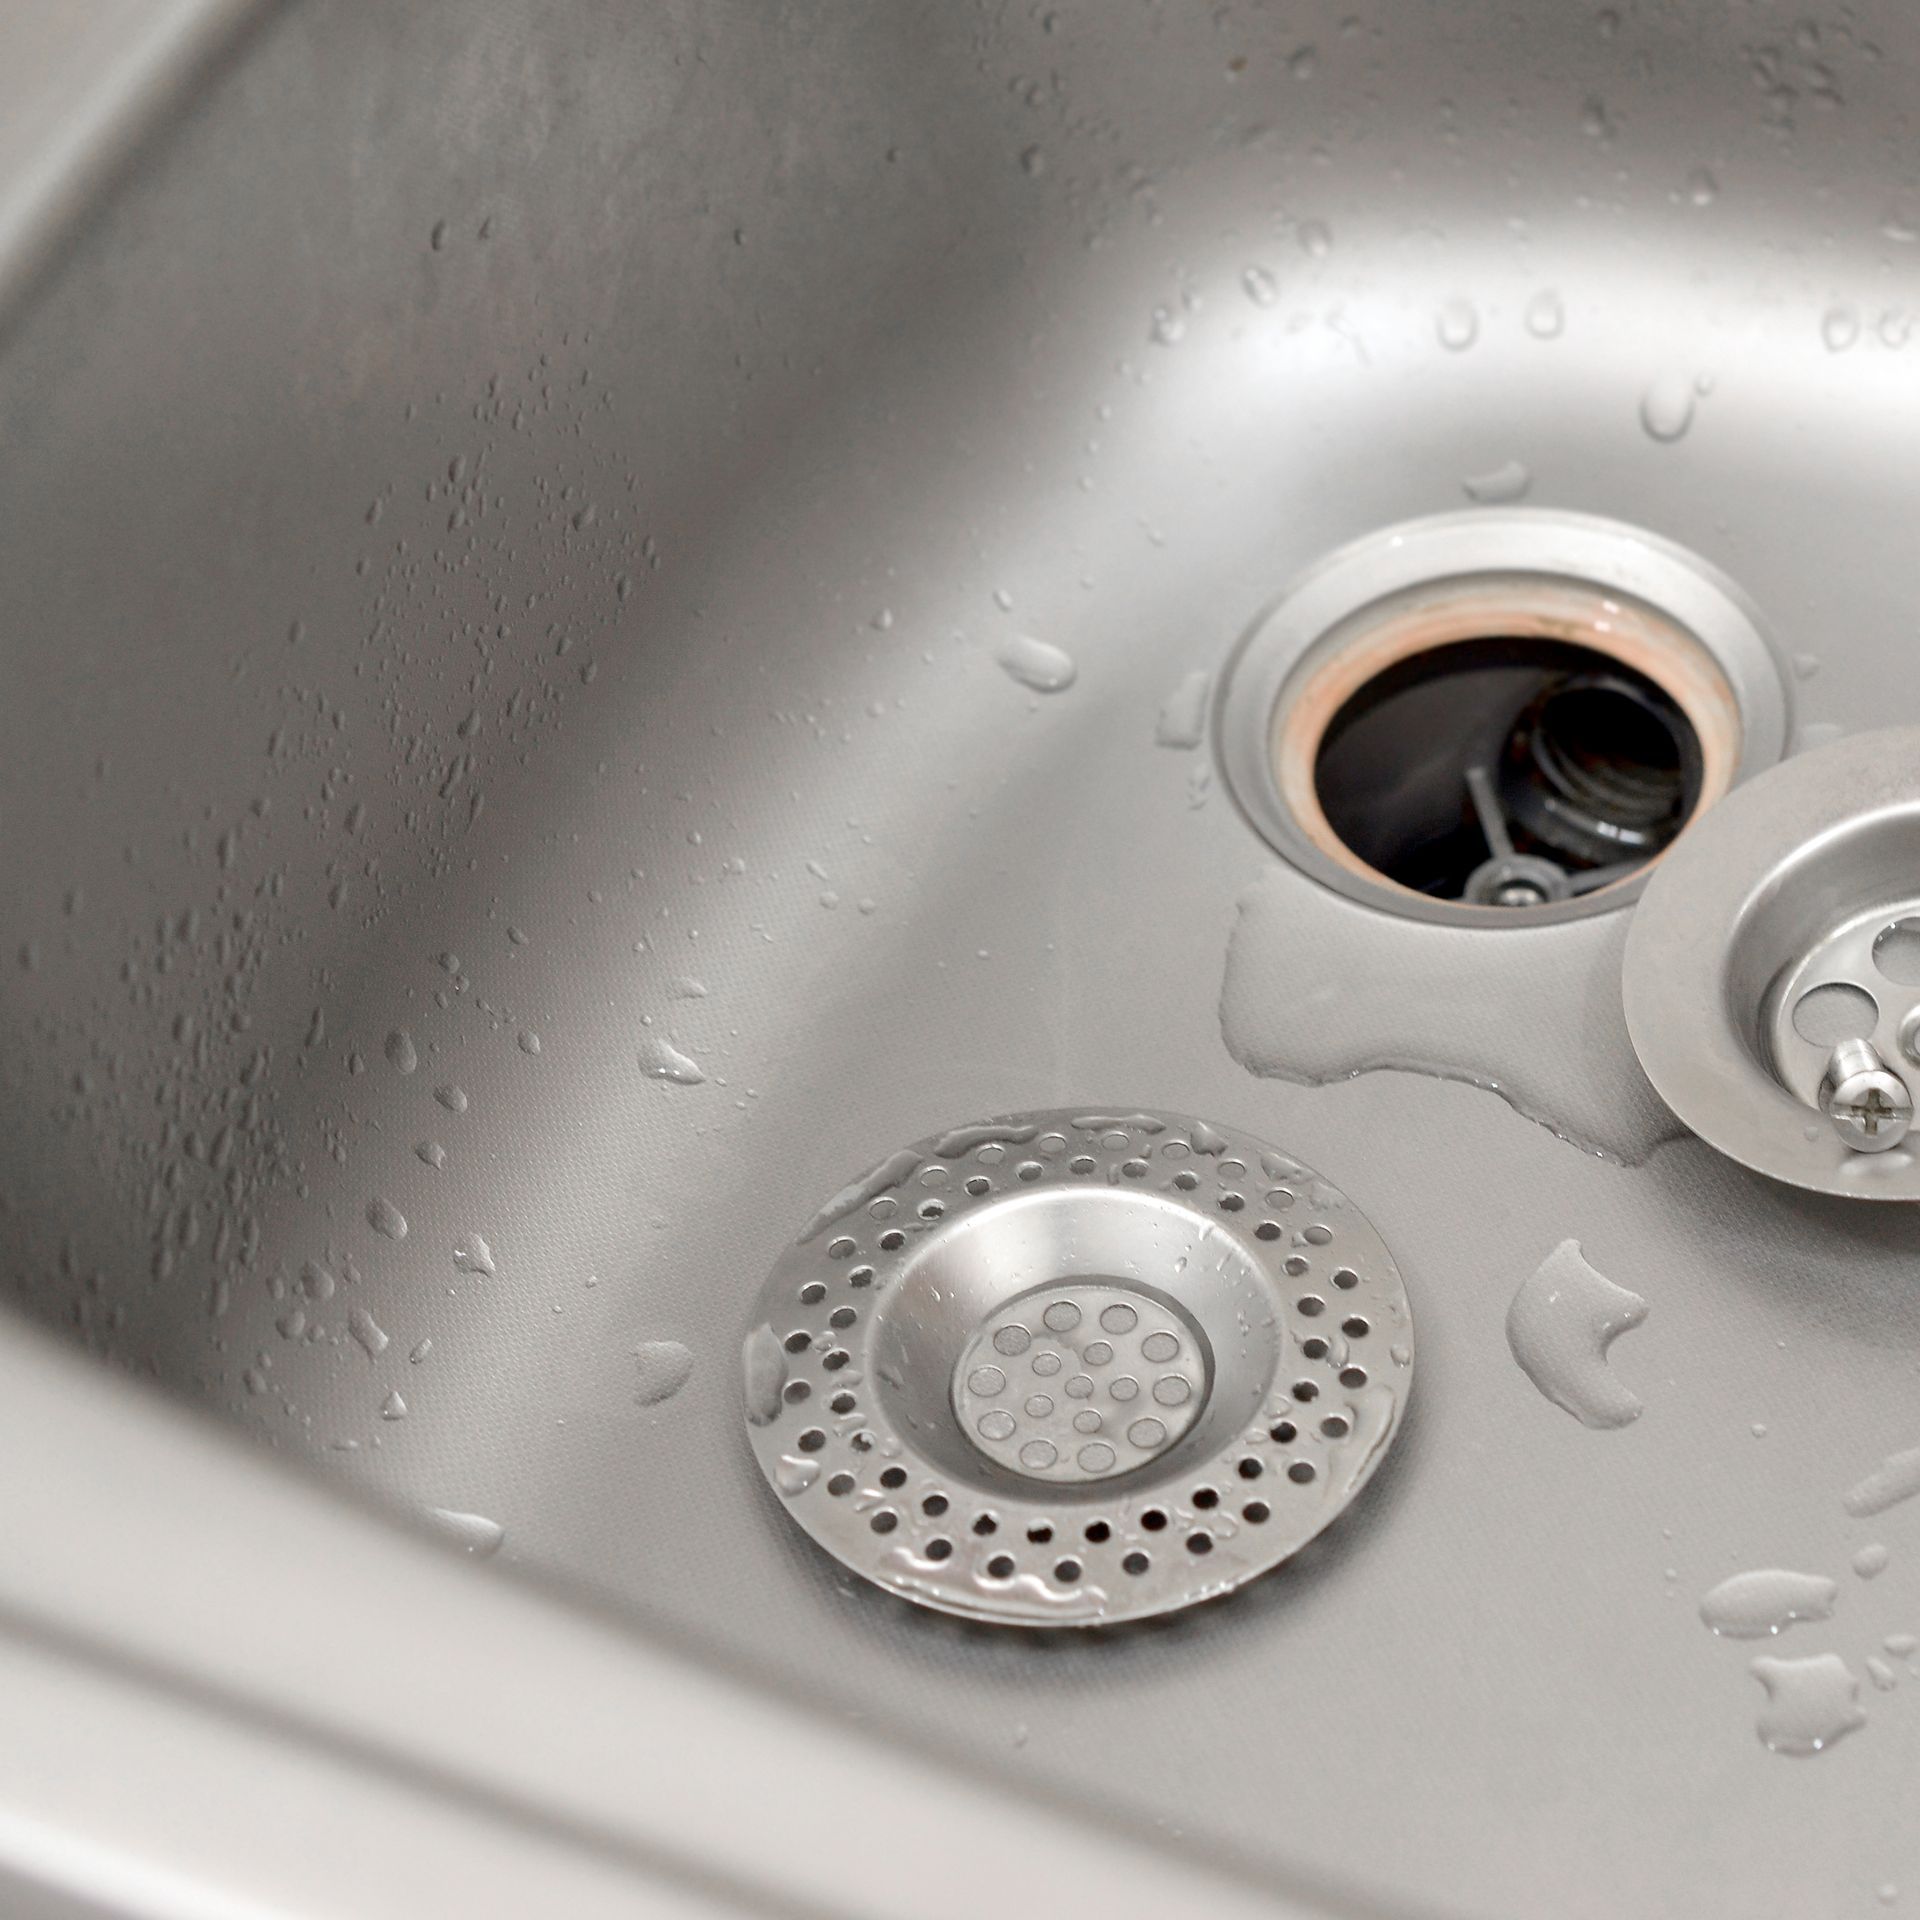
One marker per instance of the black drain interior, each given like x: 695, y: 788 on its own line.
x: 1508, y: 772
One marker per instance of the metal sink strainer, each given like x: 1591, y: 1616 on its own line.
x: 1067, y: 1368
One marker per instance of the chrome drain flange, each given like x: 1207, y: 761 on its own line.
x: 1073, y: 1368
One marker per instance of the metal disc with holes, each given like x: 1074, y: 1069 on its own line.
x: 1784, y: 922
x: 1072, y: 1368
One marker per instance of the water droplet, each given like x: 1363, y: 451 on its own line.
x: 1458, y: 325
x: 1883, y: 1676
x: 1562, y: 1321
x: 1262, y: 288
x: 1750, y: 1606
x: 1839, y: 328
x: 367, y: 1331
x: 401, y: 1053
x: 1508, y: 481
x: 1169, y: 326
x: 1316, y: 238
x: 764, y: 1370
x: 1038, y: 664
x: 1033, y: 162
x: 437, y: 238
x: 471, y: 1254
x: 1183, y: 714
x: 452, y: 1098
x: 1666, y: 408
x: 1896, y: 1478
x: 1899, y: 229
x: 661, y: 1060
x: 794, y: 1475
x: 1871, y: 1561
x: 662, y: 1369
x: 1546, y: 315
x: 433, y: 1153
x: 529, y: 1041
x: 1702, y: 188
x: 393, y: 1407
x: 474, y: 1532
x: 316, y: 1282
x: 387, y: 1219
x: 1810, y: 1703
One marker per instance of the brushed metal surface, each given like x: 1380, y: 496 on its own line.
x: 510, y: 528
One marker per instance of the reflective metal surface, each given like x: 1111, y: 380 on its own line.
x: 522, y: 527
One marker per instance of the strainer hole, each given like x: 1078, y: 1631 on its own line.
x: 840, y: 1485
x: 812, y: 1440
x: 1311, y: 1305
x: 1134, y: 1169
x: 1355, y: 1328
x: 1315, y: 1348
x: 1896, y: 952
x: 1083, y: 1163
x: 1199, y: 1543
x: 1153, y: 1520
x: 1232, y: 1202
x: 1305, y: 1390
x: 1040, y: 1535
x: 1030, y: 1170
x: 798, y: 1341
x: 932, y: 1209
x: 1067, y: 1572
x: 979, y: 1184
x: 934, y: 1505
x: 812, y: 1292
x: 1346, y: 1279
x: 1334, y: 1426
x: 1205, y: 1498
x: 893, y: 1240
x: 1354, y: 1377
x: 1135, y: 1564
x: 860, y: 1277
x: 1255, y: 1512
x: 893, y: 1477
x: 1284, y: 1433
x: 1001, y: 1566
x: 1097, y: 1531
x: 939, y: 1549
x: 843, y: 1402
x: 1186, y: 1180
x: 795, y: 1391
x: 1301, y: 1472
x: 1250, y: 1468
x: 884, y: 1521
x: 837, y: 1359
x: 841, y: 1249
x: 1317, y: 1236
x: 984, y: 1524
x: 842, y: 1317
x: 1835, y: 1012
x: 1297, y: 1264
x: 1267, y: 1230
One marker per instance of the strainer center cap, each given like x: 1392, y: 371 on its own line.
x: 1079, y: 1381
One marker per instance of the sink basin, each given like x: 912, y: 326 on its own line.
x: 540, y: 547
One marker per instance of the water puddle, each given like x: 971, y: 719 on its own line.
x: 1183, y: 715
x: 1751, y: 1606
x: 1810, y: 1703
x: 1532, y: 1014
x: 763, y: 1370
x: 1561, y: 1323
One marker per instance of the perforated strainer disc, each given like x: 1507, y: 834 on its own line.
x: 1072, y: 1368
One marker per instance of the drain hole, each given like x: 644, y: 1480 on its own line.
x: 1508, y: 772
x: 1835, y: 1012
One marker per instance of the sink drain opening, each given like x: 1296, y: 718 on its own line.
x: 1507, y: 771
x: 1497, y: 719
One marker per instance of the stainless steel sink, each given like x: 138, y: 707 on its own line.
x: 524, y: 769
